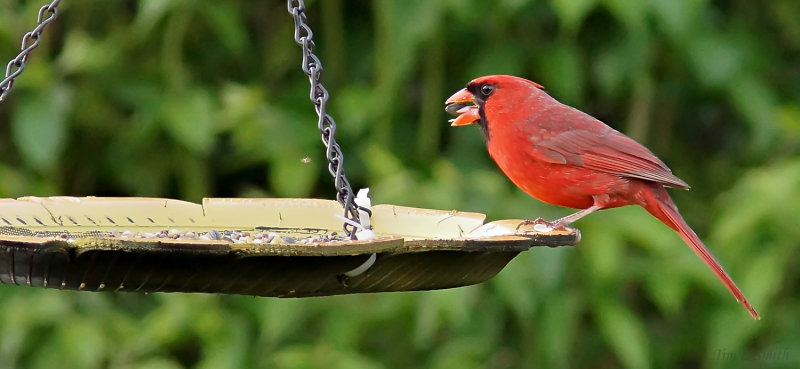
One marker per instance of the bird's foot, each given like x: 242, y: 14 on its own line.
x: 541, y: 225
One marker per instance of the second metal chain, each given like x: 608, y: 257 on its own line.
x: 312, y: 67
x: 30, y: 41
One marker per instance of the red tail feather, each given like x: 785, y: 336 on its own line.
x: 660, y: 205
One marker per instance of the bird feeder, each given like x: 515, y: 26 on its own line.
x: 262, y: 247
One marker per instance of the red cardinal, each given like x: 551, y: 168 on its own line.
x: 565, y: 157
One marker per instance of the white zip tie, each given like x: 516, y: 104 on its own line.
x: 362, y: 200
x: 361, y: 269
x: 364, y: 232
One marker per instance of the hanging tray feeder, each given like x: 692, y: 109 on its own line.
x: 151, y: 245
x: 263, y: 247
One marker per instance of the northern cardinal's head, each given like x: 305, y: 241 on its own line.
x: 471, y: 103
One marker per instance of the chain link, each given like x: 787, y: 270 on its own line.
x: 30, y: 41
x: 312, y: 67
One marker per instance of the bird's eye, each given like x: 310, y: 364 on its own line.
x: 486, y: 90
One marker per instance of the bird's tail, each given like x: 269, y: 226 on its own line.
x: 658, y: 203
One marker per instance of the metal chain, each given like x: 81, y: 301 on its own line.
x: 30, y: 41
x: 312, y: 67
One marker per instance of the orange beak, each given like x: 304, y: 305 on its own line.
x: 463, y: 105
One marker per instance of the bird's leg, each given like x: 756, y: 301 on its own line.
x: 572, y: 218
x: 542, y: 225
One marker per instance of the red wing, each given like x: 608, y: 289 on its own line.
x: 597, y: 146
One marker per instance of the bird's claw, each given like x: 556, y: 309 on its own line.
x: 541, y: 225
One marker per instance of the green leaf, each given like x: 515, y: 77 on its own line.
x: 499, y: 58
x: 291, y: 143
x: 610, y: 68
x: 150, y: 13
x: 189, y: 118
x: 320, y: 356
x: 292, y: 176
x: 517, y: 287
x: 631, y: 13
x: 678, y: 17
x: 571, y: 13
x: 75, y: 343
x: 624, y: 331
x: 351, y: 110
x: 280, y: 320
x: 156, y: 363
x: 668, y: 289
x: 443, y: 312
x: 715, y: 59
x: 14, y: 183
x: 757, y: 104
x: 603, y: 254
x: 561, y: 68
x: 789, y: 118
x: 559, y: 328
x: 761, y: 205
x: 462, y: 353
x: 225, y: 345
x: 228, y: 26
x: 39, y: 127
x: 84, y: 53
x: 764, y: 276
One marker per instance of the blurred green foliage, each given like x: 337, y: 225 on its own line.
x: 192, y: 99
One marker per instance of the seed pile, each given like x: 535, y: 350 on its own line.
x: 232, y: 236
